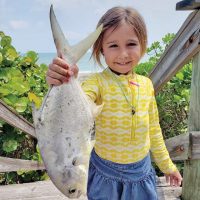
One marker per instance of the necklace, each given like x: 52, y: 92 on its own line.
x: 121, y: 87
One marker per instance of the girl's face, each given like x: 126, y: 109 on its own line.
x: 121, y: 48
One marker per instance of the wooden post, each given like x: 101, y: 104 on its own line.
x: 191, y: 176
x: 188, y: 5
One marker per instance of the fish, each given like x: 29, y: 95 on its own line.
x: 65, y: 121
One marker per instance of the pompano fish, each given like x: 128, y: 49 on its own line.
x: 64, y: 122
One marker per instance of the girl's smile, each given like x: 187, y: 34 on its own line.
x: 121, y: 48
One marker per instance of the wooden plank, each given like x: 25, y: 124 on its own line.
x: 165, y: 192
x: 8, y: 115
x: 188, y: 5
x: 45, y: 190
x: 42, y: 190
x: 191, y: 174
x: 178, y: 147
x: 11, y: 164
x: 184, y: 46
x: 184, y: 147
x: 195, y: 145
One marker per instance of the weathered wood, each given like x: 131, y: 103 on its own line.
x: 45, y: 190
x: 188, y: 5
x: 195, y: 149
x: 178, y: 147
x: 42, y: 190
x: 11, y: 117
x: 184, y: 147
x: 184, y: 46
x: 11, y: 164
x: 191, y: 175
x: 165, y: 192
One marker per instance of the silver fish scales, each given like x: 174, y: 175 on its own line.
x: 64, y: 123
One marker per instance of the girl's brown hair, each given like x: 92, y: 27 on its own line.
x: 112, y: 18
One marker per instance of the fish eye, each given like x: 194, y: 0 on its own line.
x: 72, y: 191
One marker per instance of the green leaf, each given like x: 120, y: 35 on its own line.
x: 2, y: 34
x: 43, y: 67
x: 1, y: 58
x: 32, y: 81
x: 21, y: 104
x: 39, y: 154
x: 4, y: 90
x: 168, y: 38
x: 4, y: 74
x: 11, y: 54
x: 16, y: 74
x: 10, y: 99
x: 186, y: 94
x: 186, y: 108
x: 10, y: 145
x: 11, y: 177
x: 180, y: 75
x: 6, y: 41
x: 45, y: 177
x: 20, y: 87
x: 21, y: 172
x: 177, y: 98
x: 29, y: 73
x: 26, y: 154
x: 32, y: 56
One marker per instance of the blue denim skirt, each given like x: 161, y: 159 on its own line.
x: 113, y: 181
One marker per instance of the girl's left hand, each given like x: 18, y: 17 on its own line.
x: 174, y: 178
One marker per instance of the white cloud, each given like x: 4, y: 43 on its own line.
x: 18, y: 24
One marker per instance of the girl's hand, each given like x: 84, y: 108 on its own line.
x: 59, y: 72
x: 174, y: 178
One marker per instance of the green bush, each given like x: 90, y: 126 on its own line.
x: 22, y: 81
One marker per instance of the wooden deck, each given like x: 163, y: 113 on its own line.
x: 45, y: 190
x: 165, y: 192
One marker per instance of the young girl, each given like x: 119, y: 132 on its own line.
x: 128, y: 126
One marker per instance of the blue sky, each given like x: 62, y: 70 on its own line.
x: 27, y: 21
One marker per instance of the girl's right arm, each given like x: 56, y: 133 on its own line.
x: 59, y: 72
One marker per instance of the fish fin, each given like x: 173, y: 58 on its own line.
x: 96, y: 109
x: 58, y: 36
x: 81, y: 48
x: 71, y: 54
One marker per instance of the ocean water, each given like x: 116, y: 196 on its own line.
x: 85, y: 64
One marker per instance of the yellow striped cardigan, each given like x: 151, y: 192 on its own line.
x: 122, y: 137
